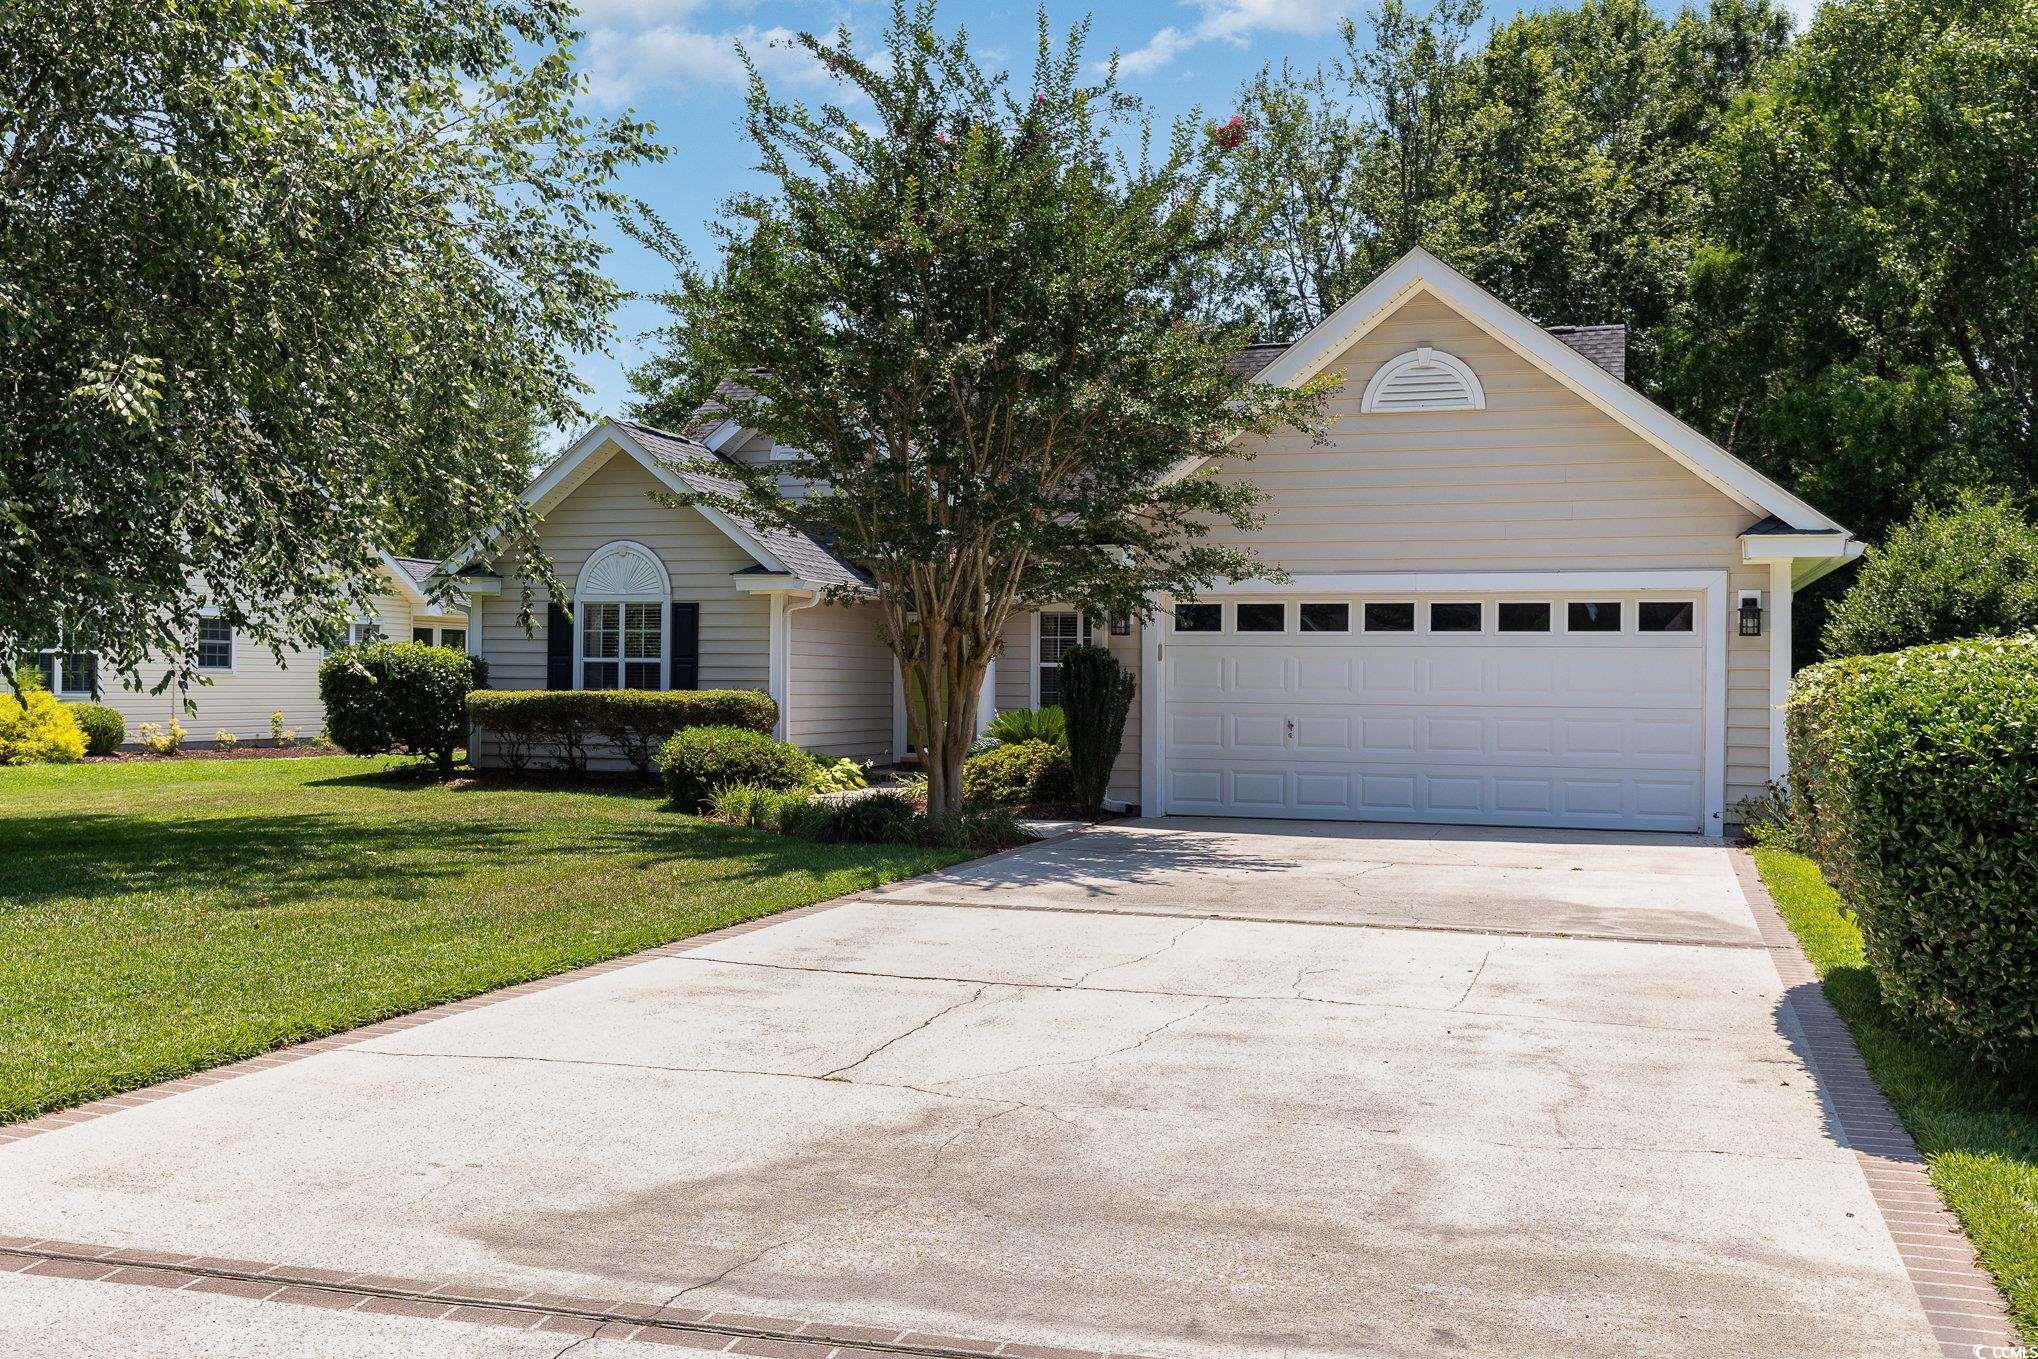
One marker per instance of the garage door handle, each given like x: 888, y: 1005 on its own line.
x: 1291, y: 729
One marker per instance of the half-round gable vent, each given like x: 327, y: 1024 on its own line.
x: 1424, y: 380
x: 623, y: 571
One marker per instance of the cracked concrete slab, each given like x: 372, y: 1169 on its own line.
x: 1609, y: 885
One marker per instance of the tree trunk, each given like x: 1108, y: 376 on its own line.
x: 942, y: 685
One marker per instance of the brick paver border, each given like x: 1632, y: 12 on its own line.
x: 557, y: 1314
x: 1961, y: 1301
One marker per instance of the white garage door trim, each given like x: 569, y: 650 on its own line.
x: 1711, y: 586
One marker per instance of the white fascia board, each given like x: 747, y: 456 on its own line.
x: 1775, y: 547
x: 1805, y: 570
x: 478, y: 585
x: 405, y: 586
x: 722, y: 435
x: 1420, y: 271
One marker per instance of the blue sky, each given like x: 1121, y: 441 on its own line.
x: 675, y: 62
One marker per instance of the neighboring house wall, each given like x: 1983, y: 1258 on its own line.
x: 241, y: 698
x: 840, y: 674
x: 612, y: 503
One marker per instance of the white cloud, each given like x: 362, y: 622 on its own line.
x: 624, y: 60
x: 1800, y: 11
x: 1235, y: 22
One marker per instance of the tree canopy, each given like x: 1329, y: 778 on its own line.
x: 967, y: 313
x: 281, y: 283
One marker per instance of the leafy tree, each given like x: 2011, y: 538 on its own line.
x: 1967, y: 571
x: 964, y: 310
x: 1559, y: 162
x: 1864, y: 324
x: 279, y: 282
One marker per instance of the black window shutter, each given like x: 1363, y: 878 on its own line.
x: 686, y: 645
x: 558, y: 648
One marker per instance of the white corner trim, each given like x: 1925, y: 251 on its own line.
x: 1780, y: 601
x: 987, y: 697
x: 1033, y: 659
x: 1153, y: 690
x: 1381, y: 397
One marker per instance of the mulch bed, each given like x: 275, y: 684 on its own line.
x: 208, y: 753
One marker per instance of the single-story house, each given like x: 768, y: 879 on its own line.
x: 1517, y: 592
x: 242, y: 684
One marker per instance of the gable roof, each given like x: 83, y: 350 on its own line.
x: 1559, y: 356
x: 665, y: 456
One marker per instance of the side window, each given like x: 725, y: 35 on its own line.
x: 421, y: 635
x: 215, y: 644
x: 1058, y: 632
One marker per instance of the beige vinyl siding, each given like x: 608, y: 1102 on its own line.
x: 1538, y: 481
x: 840, y: 681
x: 610, y: 503
x: 241, y: 700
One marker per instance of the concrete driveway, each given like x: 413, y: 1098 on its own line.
x: 1178, y: 1088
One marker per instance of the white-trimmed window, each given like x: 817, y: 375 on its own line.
x: 455, y: 638
x: 1058, y: 632
x: 620, y: 604
x: 71, y: 674
x: 362, y: 631
x: 1424, y: 379
x: 215, y: 644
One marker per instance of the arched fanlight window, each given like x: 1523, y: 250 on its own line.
x: 619, y: 602
x: 1424, y: 379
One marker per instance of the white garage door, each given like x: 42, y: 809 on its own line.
x: 1570, y: 711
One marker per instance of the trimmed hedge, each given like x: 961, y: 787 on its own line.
x: 697, y: 762
x: 635, y: 723
x: 405, y: 696
x: 1023, y: 773
x: 104, y: 727
x: 1914, y: 783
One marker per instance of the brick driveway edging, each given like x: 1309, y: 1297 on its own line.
x: 1961, y: 1301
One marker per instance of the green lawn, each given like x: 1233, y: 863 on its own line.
x: 1980, y: 1135
x: 160, y: 917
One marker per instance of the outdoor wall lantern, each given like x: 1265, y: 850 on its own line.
x: 1751, y: 613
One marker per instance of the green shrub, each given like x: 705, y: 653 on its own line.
x: 746, y: 804
x: 167, y: 739
x: 634, y: 723
x: 1914, y: 783
x: 405, y: 696
x: 697, y: 761
x: 840, y: 776
x: 1096, y: 694
x: 1970, y: 571
x: 882, y: 818
x: 1025, y: 773
x: 104, y: 727
x: 1047, y: 724
x: 225, y: 739
x: 283, y: 737
x: 36, y: 729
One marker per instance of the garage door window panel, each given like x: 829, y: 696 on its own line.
x: 1665, y: 615
x: 1384, y: 617
x: 1326, y: 617
x: 1457, y: 616
x: 1515, y: 616
x: 1199, y: 618
x: 1596, y: 615
x: 1263, y: 618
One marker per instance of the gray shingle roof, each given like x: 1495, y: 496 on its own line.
x: 419, y: 569
x: 1606, y: 346
x: 1254, y: 358
x: 802, y: 553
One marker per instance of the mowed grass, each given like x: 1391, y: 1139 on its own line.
x: 157, y: 918
x: 1979, y: 1133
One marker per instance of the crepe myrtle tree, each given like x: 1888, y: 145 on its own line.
x: 966, y: 311
x: 281, y: 282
